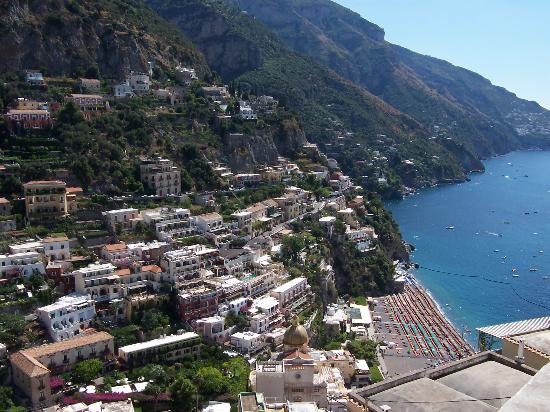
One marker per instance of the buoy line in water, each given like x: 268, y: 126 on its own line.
x: 486, y: 279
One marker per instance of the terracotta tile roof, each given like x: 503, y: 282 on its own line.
x: 30, y: 111
x: 75, y: 190
x: 298, y: 355
x: 54, y: 239
x: 30, y: 366
x: 45, y: 182
x: 122, y: 272
x: 270, y: 203
x: 85, y: 96
x: 151, y: 268
x: 256, y: 207
x: 210, y: 216
x: 82, y: 340
x: 4, y: 201
x: 115, y: 246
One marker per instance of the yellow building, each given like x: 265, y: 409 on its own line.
x: 45, y: 199
x: 536, y: 348
x: 31, y: 369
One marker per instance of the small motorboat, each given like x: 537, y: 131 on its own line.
x: 450, y: 228
x: 533, y: 270
x: 515, y: 275
x: 545, y: 277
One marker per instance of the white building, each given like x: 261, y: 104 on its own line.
x: 265, y: 314
x: 139, y: 82
x: 123, y: 90
x: 247, y: 342
x: 292, y: 292
x: 185, y: 263
x: 99, y: 281
x: 166, y: 349
x: 212, y: 329
x: 56, y: 248
x: 67, y: 317
x: 246, y: 112
x: 214, y: 406
x: 185, y: 75
x: 208, y: 222
x: 30, y: 246
x: 21, y: 264
x: 121, y: 218
x: 169, y: 223
x: 236, y: 306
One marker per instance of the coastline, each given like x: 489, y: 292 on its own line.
x: 415, y: 331
x: 440, y: 308
x: 499, y: 201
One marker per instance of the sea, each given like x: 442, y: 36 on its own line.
x: 483, y: 246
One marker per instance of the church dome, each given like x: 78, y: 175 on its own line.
x: 295, y: 335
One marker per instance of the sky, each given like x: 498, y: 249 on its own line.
x: 506, y: 41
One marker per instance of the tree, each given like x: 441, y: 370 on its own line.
x: 155, y: 373
x: 11, y: 328
x: 70, y: 115
x: 88, y: 370
x: 6, y: 401
x: 183, y: 394
x: 153, y: 319
x: 211, y: 381
x: 292, y: 245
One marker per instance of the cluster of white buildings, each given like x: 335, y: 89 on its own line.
x: 32, y: 257
x: 136, y: 83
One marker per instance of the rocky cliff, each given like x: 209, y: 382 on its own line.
x: 62, y: 37
x: 263, y: 147
x: 486, y: 119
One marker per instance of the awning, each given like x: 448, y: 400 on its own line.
x: 515, y: 328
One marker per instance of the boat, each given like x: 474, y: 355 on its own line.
x: 496, y: 250
x: 515, y: 275
x: 450, y: 227
x: 545, y: 277
x: 533, y: 270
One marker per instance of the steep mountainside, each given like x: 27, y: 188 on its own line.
x: 65, y: 36
x: 244, y: 51
x: 451, y: 101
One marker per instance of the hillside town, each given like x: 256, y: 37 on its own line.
x: 197, y: 272
x: 221, y: 299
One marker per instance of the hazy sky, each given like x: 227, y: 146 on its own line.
x: 507, y: 41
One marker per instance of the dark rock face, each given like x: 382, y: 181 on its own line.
x: 264, y: 147
x: 52, y: 37
x: 226, y: 51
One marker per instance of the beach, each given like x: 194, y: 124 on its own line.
x: 415, y: 332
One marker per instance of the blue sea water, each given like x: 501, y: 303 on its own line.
x: 501, y: 221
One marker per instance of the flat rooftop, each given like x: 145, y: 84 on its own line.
x: 488, y: 380
x: 158, y: 342
x: 482, y: 382
x: 424, y: 395
x: 289, y: 285
x: 537, y: 340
